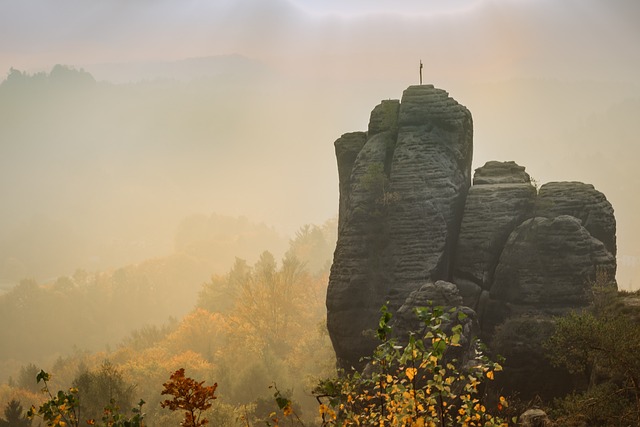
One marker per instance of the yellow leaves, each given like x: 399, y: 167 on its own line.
x: 479, y: 408
x: 502, y: 403
x: 411, y: 373
x: 325, y: 410
x: 445, y: 394
x: 287, y: 410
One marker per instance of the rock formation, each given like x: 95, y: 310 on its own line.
x: 501, y: 198
x: 410, y: 217
x: 402, y: 190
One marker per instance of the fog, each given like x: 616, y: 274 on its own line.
x: 148, y: 147
x: 232, y: 108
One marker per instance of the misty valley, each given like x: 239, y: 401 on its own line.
x: 134, y: 291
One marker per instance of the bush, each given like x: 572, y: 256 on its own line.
x: 413, y: 384
x: 601, y: 344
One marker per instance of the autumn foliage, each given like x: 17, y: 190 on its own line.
x: 414, y: 383
x: 189, y: 395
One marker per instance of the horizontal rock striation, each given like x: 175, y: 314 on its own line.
x: 414, y: 231
x: 501, y: 198
x: 401, y: 202
x: 430, y: 176
x: 581, y: 201
x: 549, y: 263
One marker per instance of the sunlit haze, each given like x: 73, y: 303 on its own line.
x: 232, y: 107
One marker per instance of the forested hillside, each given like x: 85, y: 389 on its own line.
x: 259, y: 323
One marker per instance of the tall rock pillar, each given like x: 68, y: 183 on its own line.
x: 403, y: 185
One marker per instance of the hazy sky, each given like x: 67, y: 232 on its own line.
x: 350, y: 39
x: 333, y: 61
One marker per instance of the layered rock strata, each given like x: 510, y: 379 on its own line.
x: 401, y: 201
x: 410, y: 218
x: 501, y: 198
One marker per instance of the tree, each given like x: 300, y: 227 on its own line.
x: 27, y: 378
x: 601, y: 343
x: 605, y: 350
x: 13, y: 416
x: 200, y: 331
x: 220, y: 293
x: 102, y: 388
x: 269, y: 302
x: 313, y: 246
x: 63, y: 409
x: 190, y: 396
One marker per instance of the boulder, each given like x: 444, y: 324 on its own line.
x: 501, y: 198
x: 438, y: 294
x: 445, y: 296
x: 526, y: 369
x: 549, y: 263
x: 494, y: 172
x: 584, y: 202
x: 534, y: 418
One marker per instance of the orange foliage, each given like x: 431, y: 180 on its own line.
x: 188, y: 395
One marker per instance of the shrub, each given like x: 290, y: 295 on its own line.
x: 413, y: 384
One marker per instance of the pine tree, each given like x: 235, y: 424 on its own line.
x: 13, y: 415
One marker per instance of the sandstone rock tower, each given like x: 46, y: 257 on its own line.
x: 403, y: 186
x: 409, y: 216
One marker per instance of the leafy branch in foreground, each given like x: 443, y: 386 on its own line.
x: 413, y: 384
x: 60, y: 410
x: 63, y: 409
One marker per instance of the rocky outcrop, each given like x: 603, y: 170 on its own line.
x: 401, y: 200
x: 430, y: 174
x: 446, y: 296
x: 501, y: 198
x: 410, y: 220
x: 534, y: 418
x: 581, y: 201
x: 548, y: 263
x: 438, y: 294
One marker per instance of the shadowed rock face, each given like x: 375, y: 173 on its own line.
x: 581, y: 201
x: 548, y: 263
x: 501, y: 198
x: 409, y: 221
x: 401, y: 202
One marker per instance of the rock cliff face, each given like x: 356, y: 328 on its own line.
x: 409, y: 217
x: 402, y: 190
